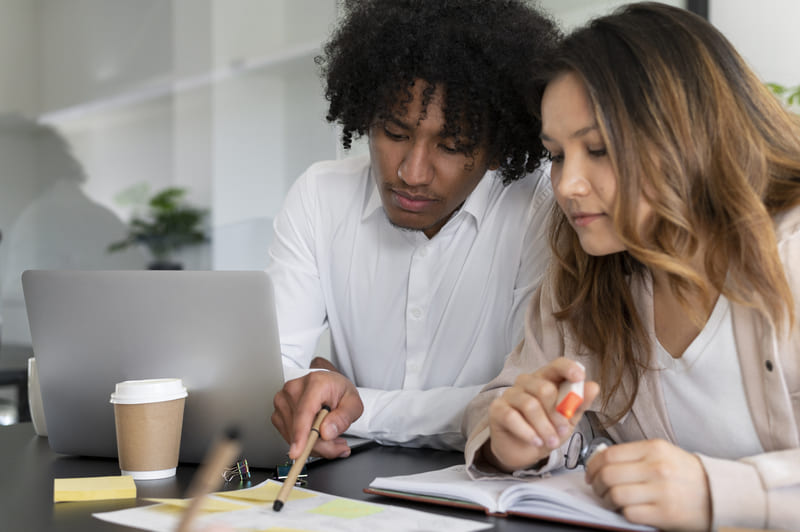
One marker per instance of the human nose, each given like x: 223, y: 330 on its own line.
x: 572, y: 179
x: 416, y: 168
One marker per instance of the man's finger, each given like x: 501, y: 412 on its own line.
x: 322, y: 363
x: 322, y: 389
x: 282, y: 414
x: 336, y: 448
x: 308, y: 408
x: 340, y: 418
x: 303, y: 419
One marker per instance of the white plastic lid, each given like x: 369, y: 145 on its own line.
x: 150, y: 475
x: 148, y: 391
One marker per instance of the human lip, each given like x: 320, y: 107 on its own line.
x: 582, y: 219
x: 411, y: 202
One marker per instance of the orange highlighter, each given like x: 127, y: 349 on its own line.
x: 570, y: 398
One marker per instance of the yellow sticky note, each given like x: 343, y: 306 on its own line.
x: 209, y: 504
x: 265, y: 493
x: 346, y: 509
x: 284, y: 529
x: 93, y: 488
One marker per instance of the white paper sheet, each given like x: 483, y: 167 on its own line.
x: 305, y: 511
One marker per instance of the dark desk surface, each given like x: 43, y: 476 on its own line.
x: 14, y: 371
x: 28, y: 467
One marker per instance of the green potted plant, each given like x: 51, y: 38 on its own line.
x: 789, y: 95
x: 167, y: 225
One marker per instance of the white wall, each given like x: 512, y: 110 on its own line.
x: 219, y: 96
x: 765, y: 33
x: 268, y: 117
x: 19, y: 52
x: 572, y: 13
x: 97, y: 49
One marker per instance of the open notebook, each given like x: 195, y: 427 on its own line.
x: 562, y: 497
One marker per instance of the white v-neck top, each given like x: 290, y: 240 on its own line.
x: 704, y: 393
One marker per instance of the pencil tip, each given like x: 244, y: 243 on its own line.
x: 277, y: 505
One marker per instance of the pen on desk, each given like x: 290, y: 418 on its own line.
x: 209, y: 477
x: 291, y: 478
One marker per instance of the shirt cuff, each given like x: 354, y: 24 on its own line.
x: 291, y: 373
x: 737, y: 494
x: 360, y: 427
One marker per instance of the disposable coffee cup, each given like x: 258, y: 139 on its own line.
x: 148, y: 415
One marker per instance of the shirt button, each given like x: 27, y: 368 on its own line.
x: 413, y: 367
x: 769, y: 365
x: 423, y: 252
x: 416, y: 313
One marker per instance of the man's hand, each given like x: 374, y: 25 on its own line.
x: 653, y: 482
x: 523, y: 422
x: 322, y: 363
x: 299, y: 401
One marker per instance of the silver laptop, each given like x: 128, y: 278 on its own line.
x: 216, y: 330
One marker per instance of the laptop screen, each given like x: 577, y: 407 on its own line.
x: 215, y: 330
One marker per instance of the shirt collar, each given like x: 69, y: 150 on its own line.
x: 373, y: 202
x: 478, y: 202
x: 475, y: 204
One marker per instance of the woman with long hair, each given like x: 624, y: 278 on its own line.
x: 674, y: 290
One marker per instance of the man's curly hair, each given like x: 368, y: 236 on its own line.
x: 483, y: 53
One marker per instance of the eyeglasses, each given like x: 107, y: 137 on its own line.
x: 581, y: 449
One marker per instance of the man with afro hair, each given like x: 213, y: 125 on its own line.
x: 420, y: 257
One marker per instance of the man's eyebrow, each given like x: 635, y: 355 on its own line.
x: 579, y: 133
x: 398, y: 122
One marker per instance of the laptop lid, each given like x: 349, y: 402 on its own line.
x: 216, y: 330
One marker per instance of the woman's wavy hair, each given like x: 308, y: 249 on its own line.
x: 690, y: 127
x: 481, y: 52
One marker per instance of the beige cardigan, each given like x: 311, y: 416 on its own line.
x: 761, y: 491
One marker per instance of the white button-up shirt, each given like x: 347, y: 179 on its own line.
x: 418, y: 324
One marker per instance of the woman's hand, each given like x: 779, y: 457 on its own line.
x: 524, y: 424
x: 653, y: 482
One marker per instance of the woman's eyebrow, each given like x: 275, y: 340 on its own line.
x: 579, y: 133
